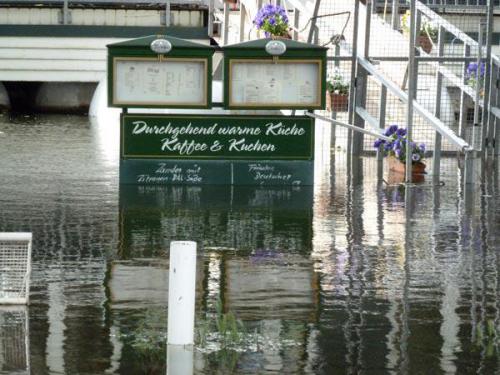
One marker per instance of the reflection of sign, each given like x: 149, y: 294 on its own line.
x: 215, y: 137
x: 267, y: 83
x: 169, y: 81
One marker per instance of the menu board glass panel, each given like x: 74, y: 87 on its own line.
x: 169, y: 81
x: 269, y: 83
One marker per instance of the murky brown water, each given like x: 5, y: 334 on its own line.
x: 342, y: 278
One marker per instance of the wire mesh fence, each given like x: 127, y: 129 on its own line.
x: 15, y: 258
x: 451, y: 74
x: 14, y: 355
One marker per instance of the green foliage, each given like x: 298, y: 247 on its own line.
x: 427, y: 28
x: 337, y: 84
x: 149, y: 341
x: 229, y: 330
x: 487, y: 338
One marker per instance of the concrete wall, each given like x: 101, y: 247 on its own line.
x: 64, y: 96
x: 53, y: 59
x: 108, y: 17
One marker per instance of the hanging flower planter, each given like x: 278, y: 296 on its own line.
x: 337, y: 102
x: 426, y: 36
x: 337, y: 92
x: 424, y: 42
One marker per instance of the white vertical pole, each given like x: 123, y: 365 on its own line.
x: 181, y: 293
x: 179, y: 360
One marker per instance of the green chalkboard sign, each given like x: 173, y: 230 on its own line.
x: 217, y: 137
x: 216, y: 172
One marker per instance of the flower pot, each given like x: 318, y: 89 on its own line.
x: 278, y: 37
x: 397, y: 171
x: 337, y: 102
x: 425, y: 42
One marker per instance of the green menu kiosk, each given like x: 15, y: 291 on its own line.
x: 201, y: 147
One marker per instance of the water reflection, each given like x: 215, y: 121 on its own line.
x: 217, y: 217
x: 255, y: 245
x: 14, y: 340
x: 354, y: 276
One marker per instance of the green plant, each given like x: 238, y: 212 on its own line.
x: 222, y: 336
x: 229, y: 330
x: 486, y: 338
x: 474, y: 75
x: 427, y: 28
x: 337, y: 84
x: 149, y: 341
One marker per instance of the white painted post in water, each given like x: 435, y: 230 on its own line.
x: 180, y: 360
x: 181, y: 292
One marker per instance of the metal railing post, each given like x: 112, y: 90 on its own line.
x: 469, y: 168
x: 312, y: 29
x: 493, y: 102
x: 496, y: 122
x: 486, y: 120
x: 436, y: 160
x: 296, y: 24
x: 243, y: 10
x: 354, y: 61
x: 362, y: 85
x: 225, y: 33
x: 476, y: 132
x: 395, y: 15
x: 381, y: 123
x: 411, y: 91
x: 167, y: 13
x: 462, y: 122
x: 210, y: 26
x: 333, y: 127
x: 65, y: 14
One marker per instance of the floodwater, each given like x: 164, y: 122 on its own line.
x: 353, y: 276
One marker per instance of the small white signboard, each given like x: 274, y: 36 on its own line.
x: 281, y: 83
x: 169, y: 81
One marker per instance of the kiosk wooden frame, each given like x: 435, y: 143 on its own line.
x: 140, y: 50
x: 255, y: 51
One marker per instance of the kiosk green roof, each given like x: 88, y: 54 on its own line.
x: 142, y: 46
x: 257, y: 48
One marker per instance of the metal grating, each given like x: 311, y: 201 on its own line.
x: 15, y: 267
x: 14, y: 341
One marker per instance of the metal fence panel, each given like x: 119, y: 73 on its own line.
x: 15, y: 267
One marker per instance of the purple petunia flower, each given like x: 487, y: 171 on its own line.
x: 472, y: 70
x: 415, y: 157
x: 401, y: 132
x: 377, y: 143
x: 422, y: 147
x: 391, y: 130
